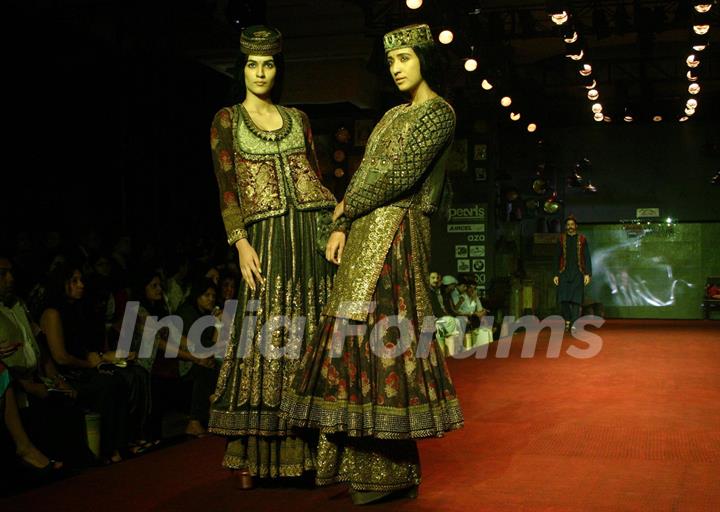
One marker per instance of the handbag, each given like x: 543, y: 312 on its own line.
x: 323, y: 225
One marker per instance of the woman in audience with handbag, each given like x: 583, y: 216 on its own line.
x: 276, y: 213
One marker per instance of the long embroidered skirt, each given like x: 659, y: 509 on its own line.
x: 253, y: 376
x: 368, y: 405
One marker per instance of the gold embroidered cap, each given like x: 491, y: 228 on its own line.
x: 261, y: 40
x: 404, y: 37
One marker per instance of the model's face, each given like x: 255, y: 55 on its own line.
x: 571, y: 227
x: 153, y: 290
x: 7, y: 281
x: 214, y: 275
x: 206, y: 301
x: 434, y: 279
x: 75, y: 288
x: 260, y: 75
x: 405, y: 69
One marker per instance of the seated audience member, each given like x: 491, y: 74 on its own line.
x: 713, y: 291
x: 12, y: 433
x: 79, y: 360
x: 165, y: 372
x: 177, y: 283
x: 228, y: 288
x: 200, y: 303
x: 436, y: 295
x: 45, y: 399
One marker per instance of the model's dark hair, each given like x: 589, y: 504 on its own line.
x: 432, y: 67
x: 239, y: 89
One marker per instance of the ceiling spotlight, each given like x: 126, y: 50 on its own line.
x: 657, y: 119
x: 694, y: 88
x: 531, y: 127
x: 559, y: 18
x: 486, y: 85
x: 699, y: 47
x: 592, y: 85
x: 692, y: 61
x: 597, y: 107
x: 590, y: 188
x: 691, y: 103
x: 593, y: 94
x: 414, y: 4
x: 607, y: 119
x: 689, y: 111
x: 471, y: 65
x: 586, y: 70
x: 598, y: 116
x: 506, y: 101
x: 683, y: 119
x: 515, y: 116
x: 628, y: 117
x: 691, y: 77
x: 576, y: 56
x: 702, y: 8
x: 446, y: 37
x: 701, y: 30
x: 572, y: 38
x: 715, y: 179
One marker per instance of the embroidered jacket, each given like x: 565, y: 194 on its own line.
x: 403, y: 170
x: 583, y: 261
x: 262, y: 173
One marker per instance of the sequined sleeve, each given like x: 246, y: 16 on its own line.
x: 426, y: 139
x: 221, y: 144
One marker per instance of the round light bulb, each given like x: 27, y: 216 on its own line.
x: 414, y: 4
x: 446, y: 37
x: 593, y: 94
x: 689, y: 111
x: 694, y: 88
x: 692, y: 61
x: 683, y: 119
x: 598, y: 116
x: 597, y: 108
x: 506, y: 101
x: 699, y: 47
x: 586, y: 70
x: 691, y: 103
x: 691, y: 77
x: 531, y: 127
x: 515, y: 116
x: 657, y: 119
x: 592, y: 85
x: 486, y: 85
x: 559, y: 18
x: 576, y: 56
x: 701, y: 30
x: 702, y: 8
x: 607, y: 119
x: 628, y: 118
x: 572, y: 38
x: 471, y: 65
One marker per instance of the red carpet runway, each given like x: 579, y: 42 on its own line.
x: 635, y: 428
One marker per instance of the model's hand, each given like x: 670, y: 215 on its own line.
x: 249, y: 264
x: 586, y: 280
x: 556, y: 281
x: 339, y: 210
x: 335, y: 247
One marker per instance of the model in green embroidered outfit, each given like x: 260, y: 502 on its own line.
x: 271, y: 199
x: 371, y: 383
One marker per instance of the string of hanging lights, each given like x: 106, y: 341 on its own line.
x: 576, y: 51
x: 699, y: 42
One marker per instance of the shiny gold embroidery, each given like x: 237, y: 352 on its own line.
x: 365, y: 250
x: 308, y: 188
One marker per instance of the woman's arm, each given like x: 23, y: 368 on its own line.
x: 426, y: 139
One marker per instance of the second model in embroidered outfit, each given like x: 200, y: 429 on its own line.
x: 270, y: 195
x: 369, y: 404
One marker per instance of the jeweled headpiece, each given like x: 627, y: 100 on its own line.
x: 404, y: 37
x: 261, y: 40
